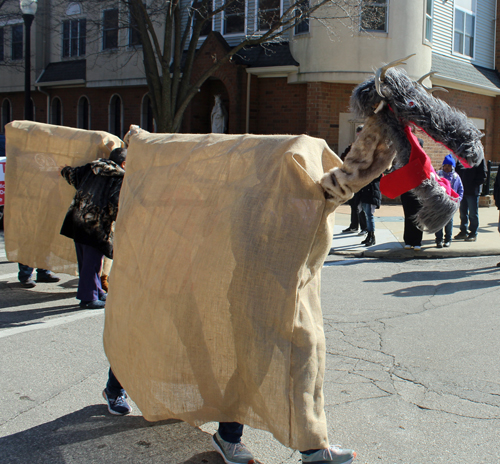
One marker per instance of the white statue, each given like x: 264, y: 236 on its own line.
x: 219, y: 116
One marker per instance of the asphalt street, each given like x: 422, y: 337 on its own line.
x: 412, y: 371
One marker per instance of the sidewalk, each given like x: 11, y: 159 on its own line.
x: 389, y: 226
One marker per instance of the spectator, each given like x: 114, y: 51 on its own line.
x: 448, y: 172
x: 370, y: 199
x: 472, y: 180
x: 358, y: 218
x: 25, y: 276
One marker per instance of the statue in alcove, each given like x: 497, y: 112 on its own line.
x: 219, y: 116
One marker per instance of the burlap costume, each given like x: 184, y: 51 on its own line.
x: 214, y: 305
x: 37, y: 198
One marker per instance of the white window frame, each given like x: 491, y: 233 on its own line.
x: 256, y: 25
x: 429, y: 21
x: 245, y: 23
x: 470, y: 13
x: 379, y: 3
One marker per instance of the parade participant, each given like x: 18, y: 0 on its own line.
x: 90, y: 218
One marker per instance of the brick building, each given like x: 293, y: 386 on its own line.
x: 300, y: 86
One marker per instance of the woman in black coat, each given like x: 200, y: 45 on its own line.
x: 370, y: 199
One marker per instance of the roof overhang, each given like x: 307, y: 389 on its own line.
x: 273, y: 71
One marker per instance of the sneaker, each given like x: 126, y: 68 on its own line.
x: 117, y: 406
x: 447, y: 244
x: 47, y: 278
x: 232, y: 453
x: 461, y: 236
x: 362, y: 232
x: 471, y: 238
x: 439, y: 244
x: 103, y: 296
x: 407, y: 247
x: 333, y: 455
x: 350, y: 230
x: 417, y: 248
x: 96, y: 304
x: 28, y: 283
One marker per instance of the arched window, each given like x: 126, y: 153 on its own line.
x: 115, y: 116
x: 6, y: 113
x: 56, y: 116
x: 147, y: 120
x: 83, y: 116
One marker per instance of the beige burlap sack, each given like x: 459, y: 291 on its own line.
x: 214, y: 306
x: 37, y: 197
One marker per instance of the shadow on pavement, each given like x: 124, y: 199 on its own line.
x: 92, y: 435
x: 27, y: 317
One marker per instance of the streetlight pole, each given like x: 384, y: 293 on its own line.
x: 28, y: 7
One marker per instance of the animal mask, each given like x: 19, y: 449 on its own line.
x: 390, y: 102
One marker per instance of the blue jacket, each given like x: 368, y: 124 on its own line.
x: 455, y: 181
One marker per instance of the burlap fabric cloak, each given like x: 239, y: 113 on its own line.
x: 37, y: 197
x: 213, y: 311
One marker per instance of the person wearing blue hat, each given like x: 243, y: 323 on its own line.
x: 448, y: 172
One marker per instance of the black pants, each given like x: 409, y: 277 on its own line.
x: 411, y: 206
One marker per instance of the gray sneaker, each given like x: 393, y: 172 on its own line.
x: 232, y: 453
x: 332, y: 455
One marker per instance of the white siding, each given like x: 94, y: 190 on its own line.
x: 485, y: 34
x: 442, y: 36
x: 442, y: 32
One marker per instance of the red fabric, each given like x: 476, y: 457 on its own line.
x: 418, y: 169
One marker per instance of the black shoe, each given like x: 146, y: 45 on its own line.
x: 96, y: 304
x: 370, y: 239
x: 103, y: 296
x: 439, y: 244
x: 350, y: 230
x: 461, y: 236
x: 47, y: 278
x: 471, y: 238
x: 29, y: 283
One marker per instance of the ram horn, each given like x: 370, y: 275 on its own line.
x: 380, y: 74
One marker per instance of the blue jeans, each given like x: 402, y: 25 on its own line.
x: 447, y: 232
x: 25, y: 272
x: 370, y: 219
x: 469, y: 214
x: 114, y: 387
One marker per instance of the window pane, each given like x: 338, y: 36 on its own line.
x: 1, y: 44
x: 458, y: 45
x: 469, y: 24
x: 110, y: 29
x: 83, y: 36
x: 234, y: 17
x: 373, y: 18
x: 429, y: 7
x: 17, y: 42
x: 428, y: 29
x: 235, y: 24
x: 269, y: 14
x: 469, y: 46
x: 459, y: 20
x: 202, y: 11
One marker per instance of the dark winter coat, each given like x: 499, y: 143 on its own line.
x: 92, y: 213
x: 472, y: 178
x: 496, y: 191
x: 371, y: 193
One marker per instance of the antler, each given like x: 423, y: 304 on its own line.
x: 430, y: 89
x: 380, y: 74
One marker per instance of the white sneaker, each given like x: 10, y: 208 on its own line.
x: 332, y: 455
x: 407, y: 247
x: 232, y: 453
x: 417, y: 248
